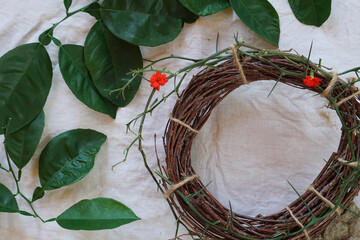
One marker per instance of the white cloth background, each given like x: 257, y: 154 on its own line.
x: 249, y: 147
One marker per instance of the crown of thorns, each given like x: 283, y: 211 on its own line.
x: 330, y: 193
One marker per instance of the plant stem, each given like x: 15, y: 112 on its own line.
x: 140, y: 148
x: 6, y: 170
x: 11, y: 170
x: 140, y: 139
x: 69, y: 14
x: 18, y: 191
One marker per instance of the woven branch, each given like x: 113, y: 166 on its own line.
x: 202, y: 212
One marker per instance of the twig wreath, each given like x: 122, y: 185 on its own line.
x: 332, y: 190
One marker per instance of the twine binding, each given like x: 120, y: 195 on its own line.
x: 183, y: 182
x: 351, y: 164
x: 348, y: 98
x: 330, y: 204
x: 331, y: 84
x: 238, y: 64
x: 298, y: 222
x: 352, y: 80
x: 183, y: 124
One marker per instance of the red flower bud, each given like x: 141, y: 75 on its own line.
x: 312, y: 81
x: 157, y: 80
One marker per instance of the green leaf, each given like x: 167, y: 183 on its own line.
x: 94, y: 10
x: 69, y: 157
x: 311, y: 12
x: 177, y: 10
x: 260, y: 16
x: 56, y: 41
x: 67, y: 4
x: 45, y: 38
x: 147, y: 23
x: 25, y: 213
x: 96, y: 214
x: 22, y: 143
x: 7, y: 200
x: 38, y: 193
x: 205, y: 7
x: 110, y: 60
x: 77, y: 77
x: 25, y: 81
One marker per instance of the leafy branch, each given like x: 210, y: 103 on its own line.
x: 59, y: 166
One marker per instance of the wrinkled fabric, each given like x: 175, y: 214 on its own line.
x: 249, y: 148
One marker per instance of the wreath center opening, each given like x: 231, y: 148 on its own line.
x: 274, y: 139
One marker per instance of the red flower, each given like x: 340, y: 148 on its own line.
x: 157, y: 80
x: 312, y: 81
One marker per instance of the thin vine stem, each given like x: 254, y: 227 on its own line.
x: 141, y: 150
x: 6, y: 170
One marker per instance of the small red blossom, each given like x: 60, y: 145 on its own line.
x: 312, y: 81
x: 157, y: 80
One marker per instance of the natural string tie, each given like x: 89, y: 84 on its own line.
x: 183, y: 182
x: 330, y: 204
x: 298, y: 223
x: 351, y: 164
x: 238, y: 64
x: 348, y: 98
x: 334, y: 79
x: 183, y: 124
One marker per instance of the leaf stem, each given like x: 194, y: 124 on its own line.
x: 35, y: 215
x: 6, y: 170
x: 17, y: 180
x: 68, y: 14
